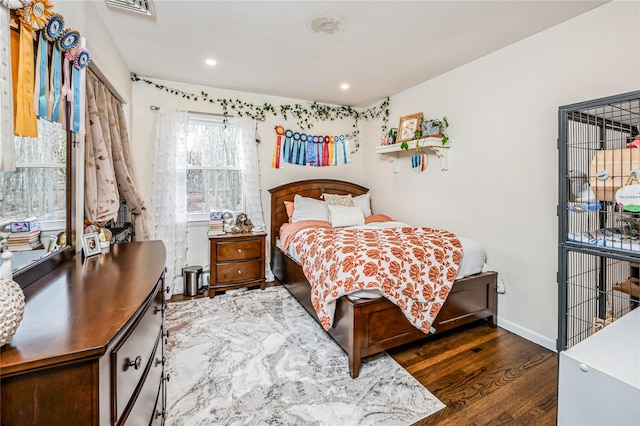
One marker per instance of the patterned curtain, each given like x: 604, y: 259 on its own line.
x: 108, y: 171
x: 169, y: 213
x: 251, y: 176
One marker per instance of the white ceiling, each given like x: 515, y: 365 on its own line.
x: 268, y: 47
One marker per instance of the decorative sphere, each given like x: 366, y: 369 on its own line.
x: 11, y: 309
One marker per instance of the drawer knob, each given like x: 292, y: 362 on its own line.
x: 239, y: 271
x: 239, y: 251
x: 160, y: 361
x: 136, y: 363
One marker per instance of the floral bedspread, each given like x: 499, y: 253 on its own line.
x: 413, y: 267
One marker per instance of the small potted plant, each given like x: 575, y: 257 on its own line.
x: 435, y: 127
x: 430, y: 128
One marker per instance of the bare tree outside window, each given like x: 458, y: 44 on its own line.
x: 38, y: 185
x: 214, y: 166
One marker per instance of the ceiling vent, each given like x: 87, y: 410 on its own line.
x: 327, y: 24
x: 136, y: 7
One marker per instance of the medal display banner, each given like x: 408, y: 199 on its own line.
x: 310, y: 150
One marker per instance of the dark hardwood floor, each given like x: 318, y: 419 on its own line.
x: 484, y: 376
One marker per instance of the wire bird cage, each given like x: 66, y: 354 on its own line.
x: 122, y: 228
x: 599, y: 214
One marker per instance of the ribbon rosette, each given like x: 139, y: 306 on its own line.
x: 36, y: 14
x: 55, y: 26
x: 68, y: 40
x: 82, y: 58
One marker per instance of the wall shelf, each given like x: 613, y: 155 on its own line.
x: 433, y: 144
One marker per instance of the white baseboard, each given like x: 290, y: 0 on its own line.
x: 525, y: 333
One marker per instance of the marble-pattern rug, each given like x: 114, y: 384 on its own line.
x: 258, y: 358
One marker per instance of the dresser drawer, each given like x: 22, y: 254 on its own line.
x: 239, y: 271
x: 238, y: 250
x: 131, y: 356
x: 144, y: 409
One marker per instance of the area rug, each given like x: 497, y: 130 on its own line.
x: 257, y: 357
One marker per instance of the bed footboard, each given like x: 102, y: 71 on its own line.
x: 364, y: 327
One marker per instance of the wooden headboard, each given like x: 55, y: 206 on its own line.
x: 313, y: 188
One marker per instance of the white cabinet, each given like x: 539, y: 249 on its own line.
x: 599, y: 378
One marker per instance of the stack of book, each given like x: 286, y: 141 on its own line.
x: 25, y: 235
x: 215, y: 223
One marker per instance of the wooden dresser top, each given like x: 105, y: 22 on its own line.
x: 75, y: 311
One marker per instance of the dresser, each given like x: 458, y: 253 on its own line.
x: 237, y: 260
x: 90, y: 347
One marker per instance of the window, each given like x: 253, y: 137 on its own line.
x: 38, y: 185
x: 214, y: 167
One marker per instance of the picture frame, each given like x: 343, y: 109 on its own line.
x: 91, y: 244
x: 408, y: 126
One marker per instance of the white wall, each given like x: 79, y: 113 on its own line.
x: 142, y: 137
x: 501, y: 187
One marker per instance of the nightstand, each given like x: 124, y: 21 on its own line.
x: 237, y: 260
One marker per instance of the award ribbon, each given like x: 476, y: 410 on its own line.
x: 286, y: 155
x: 52, y: 32
x: 302, y: 148
x: 66, y: 93
x: 311, y: 149
x: 36, y: 13
x: 347, y: 150
x: 25, y: 117
x: 336, y: 142
x: 344, y: 149
x: 42, y: 82
x: 275, y: 160
x: 331, y: 145
x: 55, y: 86
x: 325, y: 151
x: 319, y: 155
x: 80, y: 62
x: 296, y: 148
x: 75, y: 128
x: 68, y: 40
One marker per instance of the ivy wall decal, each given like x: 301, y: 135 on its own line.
x: 304, y: 115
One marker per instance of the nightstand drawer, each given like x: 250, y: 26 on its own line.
x: 239, y: 272
x: 238, y: 250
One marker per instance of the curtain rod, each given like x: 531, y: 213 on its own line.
x: 157, y: 108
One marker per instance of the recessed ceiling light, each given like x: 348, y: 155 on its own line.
x: 211, y: 62
x: 344, y: 86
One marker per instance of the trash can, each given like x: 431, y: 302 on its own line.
x: 191, y: 277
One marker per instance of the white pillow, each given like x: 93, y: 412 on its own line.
x: 305, y: 208
x: 345, y: 216
x: 364, y: 203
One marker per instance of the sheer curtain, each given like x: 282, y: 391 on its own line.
x: 168, y: 217
x: 251, y: 175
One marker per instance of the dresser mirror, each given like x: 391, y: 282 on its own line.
x: 36, y: 203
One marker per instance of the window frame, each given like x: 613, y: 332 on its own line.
x: 201, y: 219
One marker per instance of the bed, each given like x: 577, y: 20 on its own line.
x: 364, y: 327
